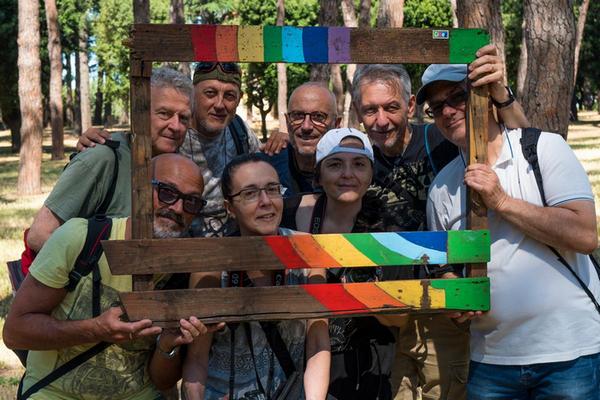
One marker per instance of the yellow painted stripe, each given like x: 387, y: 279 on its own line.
x: 250, y: 44
x: 411, y: 293
x: 343, y: 251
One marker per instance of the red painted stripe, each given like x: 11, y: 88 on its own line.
x: 335, y: 298
x: 204, y: 41
x: 283, y: 249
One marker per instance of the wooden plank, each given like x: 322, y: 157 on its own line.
x: 308, y: 301
x: 477, y: 133
x: 226, y: 38
x: 141, y: 189
x: 128, y: 257
x: 154, y: 42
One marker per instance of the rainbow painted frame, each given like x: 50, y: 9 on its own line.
x: 142, y: 256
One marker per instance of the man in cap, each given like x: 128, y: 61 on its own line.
x: 540, y: 339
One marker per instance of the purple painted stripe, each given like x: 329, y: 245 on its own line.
x: 339, y: 45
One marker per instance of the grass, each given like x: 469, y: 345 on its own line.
x: 17, y: 212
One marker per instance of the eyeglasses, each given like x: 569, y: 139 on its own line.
x: 170, y: 195
x: 454, y: 100
x: 249, y: 195
x: 228, y: 67
x: 316, y: 117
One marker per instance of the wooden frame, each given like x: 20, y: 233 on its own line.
x: 150, y: 43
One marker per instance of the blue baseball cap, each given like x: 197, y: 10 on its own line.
x: 329, y: 144
x: 440, y: 72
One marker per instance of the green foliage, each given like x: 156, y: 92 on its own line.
x: 588, y: 77
x: 512, y: 18
x: 9, y: 95
x: 211, y: 12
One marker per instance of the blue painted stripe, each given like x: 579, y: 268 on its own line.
x: 314, y: 40
x: 432, y: 240
x: 292, y: 44
x: 399, y: 244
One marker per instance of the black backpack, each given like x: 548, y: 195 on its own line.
x: 99, y: 228
x: 529, y: 141
x: 239, y: 133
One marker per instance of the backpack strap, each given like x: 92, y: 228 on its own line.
x: 113, y: 145
x: 99, y: 228
x: 529, y: 141
x: 239, y: 134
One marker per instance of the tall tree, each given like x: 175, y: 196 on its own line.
x: 364, y: 15
x: 583, y: 10
x: 483, y: 14
x: 327, y: 17
x: 548, y: 86
x: 349, y: 118
x: 56, y: 103
x: 30, y: 95
x: 178, y: 17
x: 69, y: 107
x: 391, y: 13
x: 282, y: 86
x: 141, y: 11
x: 84, y: 77
x: 453, y: 6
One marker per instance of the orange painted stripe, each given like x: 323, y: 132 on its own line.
x: 226, y: 38
x: 371, y: 296
x: 311, y: 252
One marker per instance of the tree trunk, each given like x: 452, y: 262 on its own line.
x: 391, y: 13
x: 454, y: 16
x: 77, y: 102
x: 522, y: 70
x: 281, y: 76
x: 483, y: 14
x: 30, y: 97
x: 550, y: 35
x: 349, y: 118
x: 84, y: 80
x: 99, y: 97
x: 141, y: 11
x: 583, y: 9
x: 364, y: 19
x: 178, y: 17
x: 69, y: 92
x: 56, y: 104
x: 338, y: 87
x: 328, y: 16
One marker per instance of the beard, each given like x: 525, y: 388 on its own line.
x: 162, y: 229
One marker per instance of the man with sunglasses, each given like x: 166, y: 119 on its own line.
x: 431, y: 352
x: 540, y: 339
x: 56, y: 325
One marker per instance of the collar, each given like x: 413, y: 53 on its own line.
x: 506, y: 153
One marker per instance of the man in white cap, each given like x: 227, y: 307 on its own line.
x: 540, y: 339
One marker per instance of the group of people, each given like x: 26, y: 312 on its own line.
x: 210, y: 178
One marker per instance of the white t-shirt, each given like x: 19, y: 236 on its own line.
x: 539, y: 313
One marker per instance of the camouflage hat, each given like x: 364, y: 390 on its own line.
x: 224, y: 72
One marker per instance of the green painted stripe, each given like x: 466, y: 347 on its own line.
x: 465, y: 293
x: 464, y: 43
x: 468, y: 246
x: 380, y: 255
x: 272, y: 43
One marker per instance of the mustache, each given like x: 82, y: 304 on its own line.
x: 170, y: 214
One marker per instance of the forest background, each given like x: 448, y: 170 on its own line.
x: 64, y: 66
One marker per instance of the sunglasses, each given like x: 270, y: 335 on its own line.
x: 453, y: 100
x: 316, y: 117
x: 169, y: 195
x: 227, y: 68
x: 249, y: 195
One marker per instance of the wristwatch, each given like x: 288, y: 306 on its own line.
x: 165, y: 354
x: 511, y: 99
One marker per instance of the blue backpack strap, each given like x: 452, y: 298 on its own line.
x: 529, y: 141
x: 239, y: 134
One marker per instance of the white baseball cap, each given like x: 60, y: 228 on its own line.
x: 330, y: 144
x: 440, y: 72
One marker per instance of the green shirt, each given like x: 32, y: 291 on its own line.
x: 118, y: 372
x: 85, y: 182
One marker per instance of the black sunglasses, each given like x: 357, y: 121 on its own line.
x: 170, y: 195
x: 453, y: 100
x: 227, y: 68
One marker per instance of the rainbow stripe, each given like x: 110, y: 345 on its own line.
x: 292, y: 44
x: 385, y: 248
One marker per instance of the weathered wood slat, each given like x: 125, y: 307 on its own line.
x: 153, y: 42
x: 308, y: 301
x: 128, y: 257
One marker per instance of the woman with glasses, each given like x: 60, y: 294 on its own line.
x: 244, y: 361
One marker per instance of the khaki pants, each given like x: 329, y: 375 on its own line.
x: 432, y: 359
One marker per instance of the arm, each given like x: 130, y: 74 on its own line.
x: 44, y: 223
x: 318, y: 356
x: 488, y: 68
x: 33, y: 306
x: 195, y: 368
x: 164, y: 371
x: 569, y: 226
